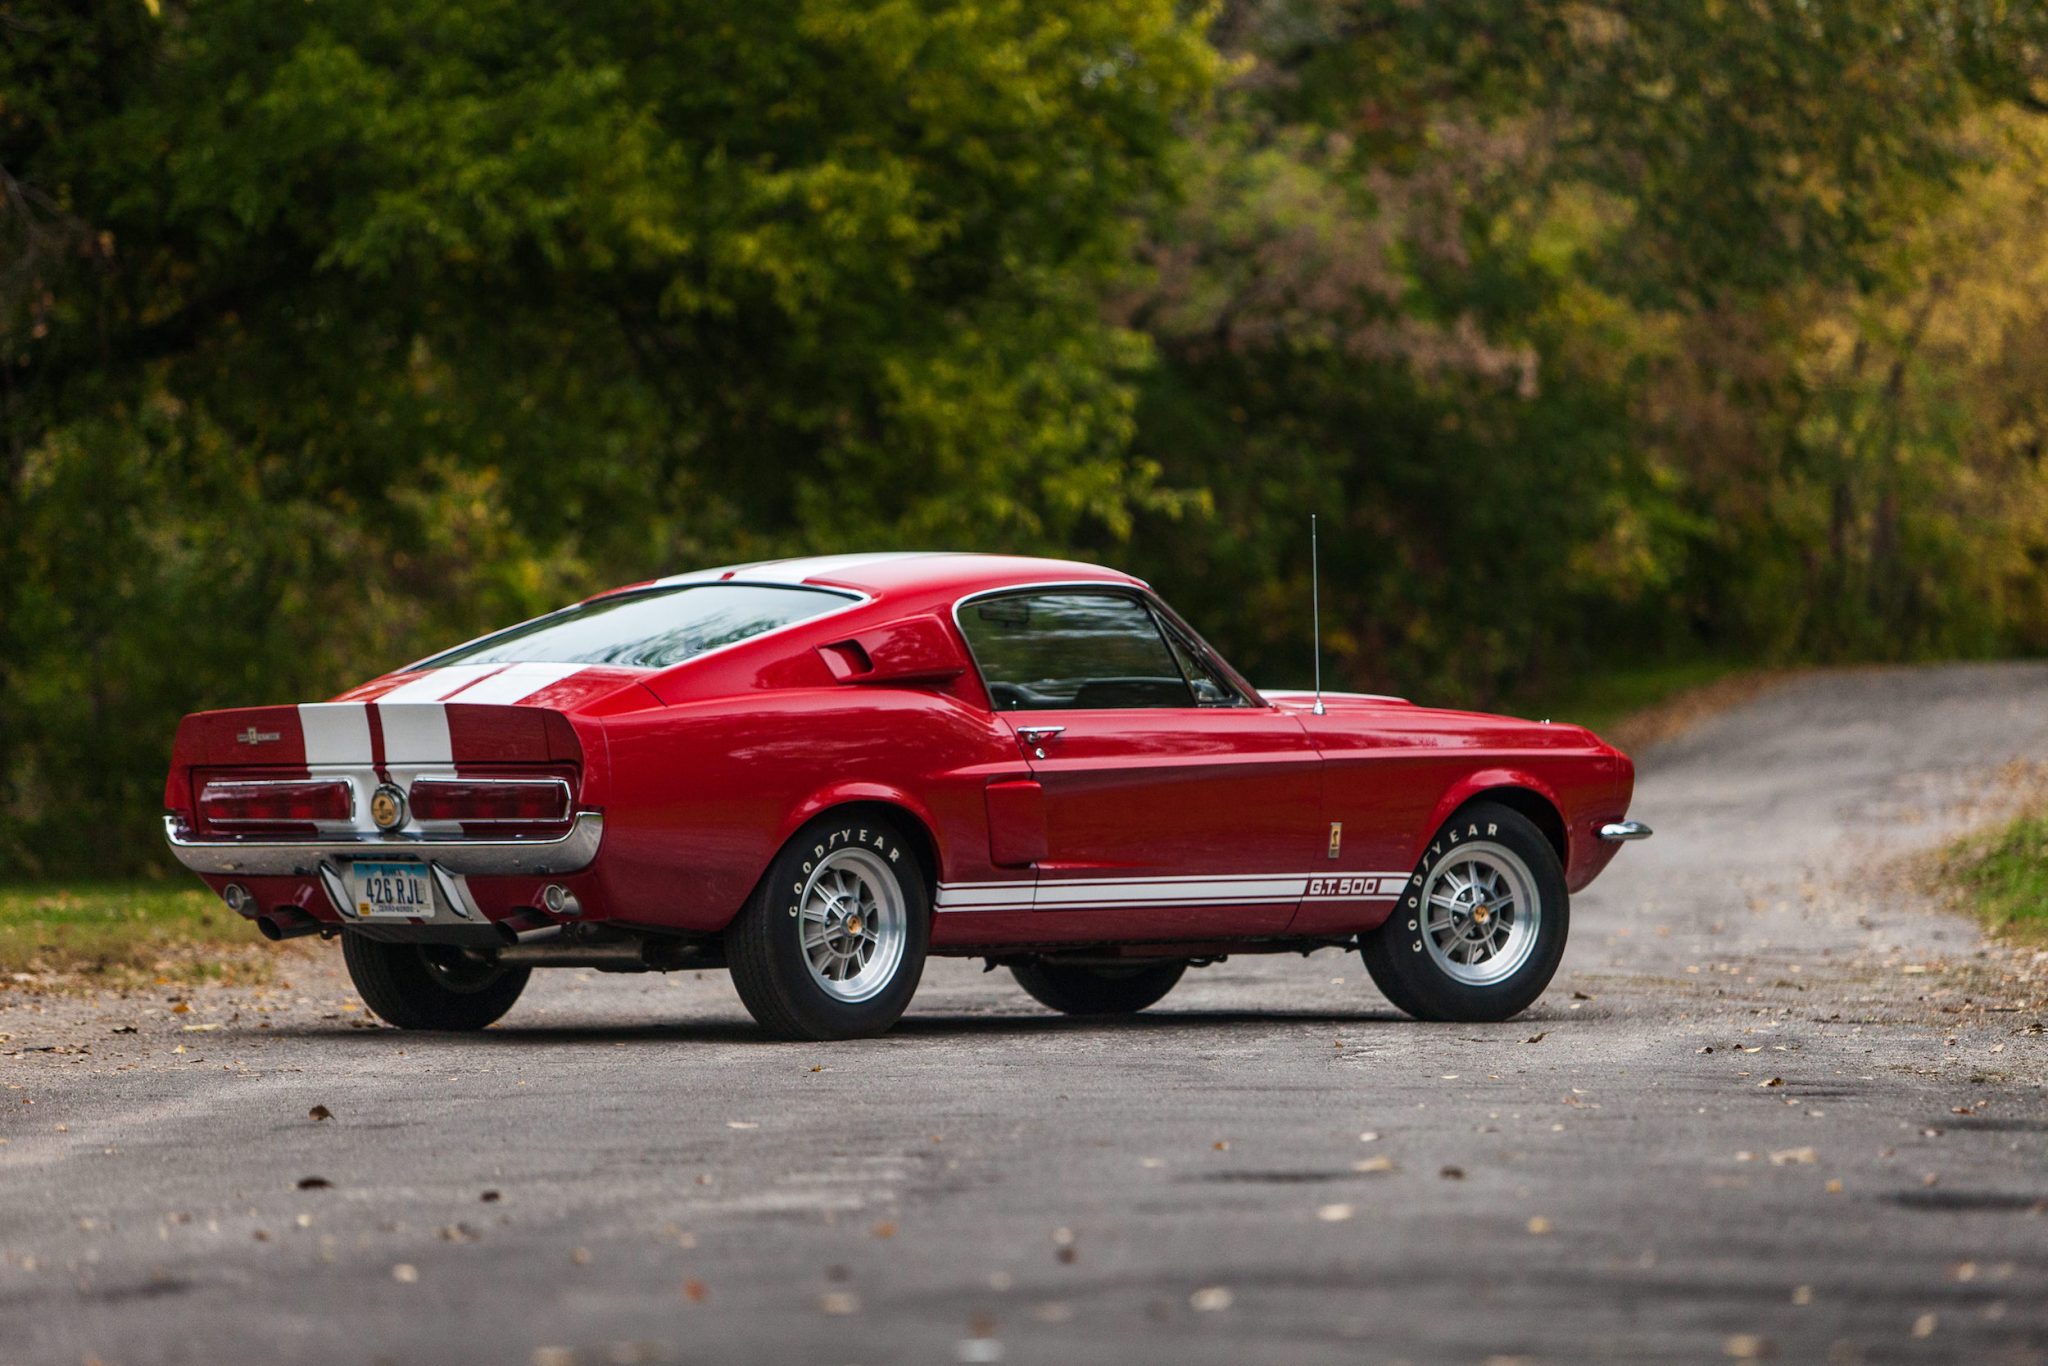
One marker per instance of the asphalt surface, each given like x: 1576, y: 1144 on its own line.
x: 1774, y: 1105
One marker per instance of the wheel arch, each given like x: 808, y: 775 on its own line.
x: 915, y: 822
x: 1520, y: 793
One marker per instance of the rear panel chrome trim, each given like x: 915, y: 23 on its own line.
x: 567, y: 853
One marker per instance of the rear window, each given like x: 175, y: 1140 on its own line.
x: 650, y: 629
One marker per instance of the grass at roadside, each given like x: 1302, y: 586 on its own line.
x: 2002, y: 876
x: 111, y: 933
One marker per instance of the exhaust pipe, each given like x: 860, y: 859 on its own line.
x: 554, y: 949
x: 286, y: 923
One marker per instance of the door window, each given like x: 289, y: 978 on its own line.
x: 1072, y: 650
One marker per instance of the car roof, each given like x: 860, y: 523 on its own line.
x: 895, y: 573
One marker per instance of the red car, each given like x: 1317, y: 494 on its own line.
x: 818, y: 772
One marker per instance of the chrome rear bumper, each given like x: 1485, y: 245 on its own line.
x: 1620, y: 832
x: 567, y: 853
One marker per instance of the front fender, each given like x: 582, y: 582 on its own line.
x: 1477, y: 783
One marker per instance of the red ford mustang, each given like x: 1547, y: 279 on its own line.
x: 818, y: 772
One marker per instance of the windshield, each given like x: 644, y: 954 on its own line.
x: 650, y: 629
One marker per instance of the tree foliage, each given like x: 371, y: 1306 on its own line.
x: 332, y: 332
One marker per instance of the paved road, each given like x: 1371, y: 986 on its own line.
x: 1731, y: 1129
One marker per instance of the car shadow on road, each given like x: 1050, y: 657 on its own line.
x: 921, y: 1027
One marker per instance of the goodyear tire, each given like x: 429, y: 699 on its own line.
x: 1072, y: 989
x: 1480, y: 928
x: 833, y: 941
x: 429, y: 986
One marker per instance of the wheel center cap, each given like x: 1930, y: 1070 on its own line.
x: 853, y: 924
x: 1481, y: 913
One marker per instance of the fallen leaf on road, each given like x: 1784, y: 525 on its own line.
x: 405, y: 1273
x: 1452, y: 1173
x: 1835, y: 1186
x: 1335, y: 1214
x: 839, y: 1302
x: 1539, y: 1226
x: 1210, y: 1300
x: 1786, y: 1157
x: 118, y: 1029
x: 181, y: 1009
x: 1537, y: 1038
x: 315, y: 1183
x: 885, y: 1229
x: 741, y: 1124
x: 1924, y: 1326
x: 694, y: 1291
x: 201, y: 1028
x: 580, y: 1256
x: 490, y: 1197
x: 1580, y: 996
x: 1222, y: 1145
x: 1802, y: 1294
x: 1746, y: 1347
x: 320, y: 1112
x: 1374, y: 1164
x: 1774, y: 1081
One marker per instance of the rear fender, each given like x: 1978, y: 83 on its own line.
x: 862, y: 794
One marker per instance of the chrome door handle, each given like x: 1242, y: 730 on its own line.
x: 1038, y: 735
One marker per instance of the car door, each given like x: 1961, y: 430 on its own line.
x: 1175, y: 804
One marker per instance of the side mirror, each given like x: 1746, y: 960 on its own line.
x: 914, y: 650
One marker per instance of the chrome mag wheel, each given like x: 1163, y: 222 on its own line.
x: 855, y: 925
x: 1480, y: 914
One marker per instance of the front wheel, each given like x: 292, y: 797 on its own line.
x: 832, y: 943
x: 429, y: 986
x: 1072, y: 989
x: 1480, y: 927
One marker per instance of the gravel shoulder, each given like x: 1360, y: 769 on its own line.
x: 1775, y: 1104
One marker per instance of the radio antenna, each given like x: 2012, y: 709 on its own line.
x: 1315, y: 606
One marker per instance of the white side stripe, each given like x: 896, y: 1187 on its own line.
x: 336, y: 732
x: 1252, y: 889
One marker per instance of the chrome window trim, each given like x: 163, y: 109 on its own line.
x: 1146, y: 598
x: 566, y: 853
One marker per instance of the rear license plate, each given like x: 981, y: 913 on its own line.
x: 400, y: 890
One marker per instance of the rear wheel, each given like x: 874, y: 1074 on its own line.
x: 1480, y: 927
x: 430, y: 986
x: 1073, y: 989
x: 833, y: 942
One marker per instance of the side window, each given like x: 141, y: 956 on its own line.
x: 1211, y: 688
x: 1074, y: 650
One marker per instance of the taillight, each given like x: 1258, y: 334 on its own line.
x: 275, y: 802
x: 491, y: 801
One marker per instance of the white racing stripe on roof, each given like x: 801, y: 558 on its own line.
x: 435, y: 684
x: 793, y: 571
x: 517, y: 682
x: 336, y: 732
